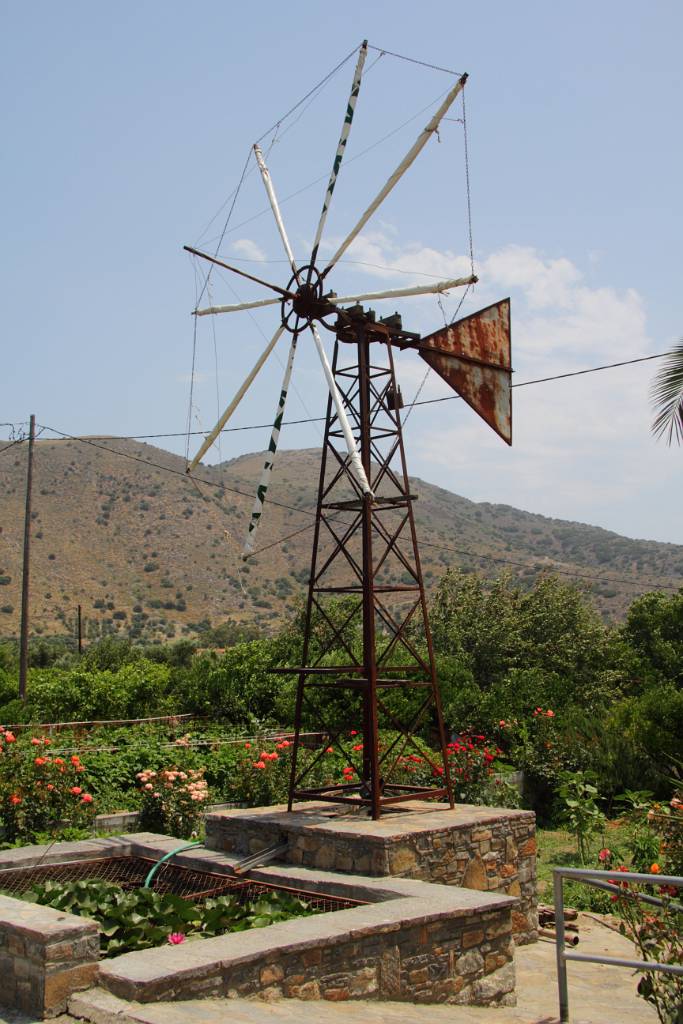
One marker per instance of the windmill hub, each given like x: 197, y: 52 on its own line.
x: 308, y: 303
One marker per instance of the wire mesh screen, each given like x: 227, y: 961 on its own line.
x: 131, y: 872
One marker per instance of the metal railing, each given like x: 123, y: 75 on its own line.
x: 602, y: 880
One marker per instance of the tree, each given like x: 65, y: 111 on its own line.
x: 667, y: 397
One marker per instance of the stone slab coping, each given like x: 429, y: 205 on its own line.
x: 43, y: 925
x: 390, y: 905
x: 394, y: 826
x: 409, y: 903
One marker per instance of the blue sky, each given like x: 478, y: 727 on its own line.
x: 126, y: 127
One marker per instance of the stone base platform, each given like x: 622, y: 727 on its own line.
x: 490, y: 849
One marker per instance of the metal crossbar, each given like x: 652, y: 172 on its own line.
x: 601, y: 880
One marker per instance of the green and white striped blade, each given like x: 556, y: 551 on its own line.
x: 267, y: 471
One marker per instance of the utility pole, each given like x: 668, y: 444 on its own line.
x: 80, y: 632
x: 23, y: 643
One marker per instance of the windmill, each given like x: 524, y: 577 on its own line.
x: 365, y: 553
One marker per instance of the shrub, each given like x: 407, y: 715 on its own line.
x: 172, y: 801
x: 40, y: 793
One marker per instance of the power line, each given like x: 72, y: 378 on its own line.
x: 312, y: 513
x: 174, y: 472
x: 562, y: 572
x: 19, y: 440
x: 320, y: 419
x: 496, y: 558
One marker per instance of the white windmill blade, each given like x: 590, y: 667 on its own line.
x: 241, y: 392
x: 341, y: 416
x: 403, y: 166
x: 438, y: 288
x: 327, y: 370
x: 210, y: 310
x: 265, y: 174
x: 339, y: 155
x: 267, y: 470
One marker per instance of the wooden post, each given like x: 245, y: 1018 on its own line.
x: 80, y: 631
x: 23, y: 642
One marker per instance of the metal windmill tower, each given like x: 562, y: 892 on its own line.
x: 365, y: 550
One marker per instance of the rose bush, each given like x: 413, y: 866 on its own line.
x: 173, y: 801
x: 40, y: 792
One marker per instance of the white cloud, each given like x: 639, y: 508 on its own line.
x: 248, y: 249
x: 582, y: 446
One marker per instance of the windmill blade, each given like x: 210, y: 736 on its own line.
x: 267, y: 471
x: 341, y: 147
x: 473, y: 356
x: 241, y: 392
x: 250, y: 277
x: 341, y: 415
x: 393, y: 293
x: 403, y: 166
x: 210, y: 310
x: 267, y: 181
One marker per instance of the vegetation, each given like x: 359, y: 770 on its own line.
x: 143, y: 918
x: 128, y: 537
x: 667, y: 397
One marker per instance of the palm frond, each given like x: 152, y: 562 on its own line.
x: 666, y: 393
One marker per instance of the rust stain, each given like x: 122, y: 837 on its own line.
x: 473, y: 356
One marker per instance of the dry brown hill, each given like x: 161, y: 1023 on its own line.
x: 141, y: 548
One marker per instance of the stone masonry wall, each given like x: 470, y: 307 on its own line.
x: 471, y: 964
x: 45, y: 956
x: 487, y: 849
x: 466, y: 959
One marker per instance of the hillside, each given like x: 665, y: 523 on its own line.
x: 143, y: 549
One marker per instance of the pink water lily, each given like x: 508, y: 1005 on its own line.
x: 175, y: 938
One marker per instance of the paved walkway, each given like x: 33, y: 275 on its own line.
x: 597, y: 995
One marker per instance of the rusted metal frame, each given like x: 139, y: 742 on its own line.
x: 333, y: 737
x: 397, y: 635
x: 343, y: 470
x: 352, y: 528
x: 370, y: 725
x: 314, y: 794
x: 310, y: 598
x: 401, y: 736
x: 457, y: 355
x: 408, y: 730
x: 235, y: 270
x: 358, y: 684
x: 382, y: 588
x: 315, y: 670
x: 390, y: 543
x: 425, y: 613
x: 384, y: 534
x: 349, y: 394
x: 407, y: 738
x: 337, y: 634
x: 341, y: 547
x: 418, y: 794
x: 346, y: 469
x: 397, y: 629
x: 384, y: 467
x: 393, y: 546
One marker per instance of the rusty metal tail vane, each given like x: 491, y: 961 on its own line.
x: 473, y: 357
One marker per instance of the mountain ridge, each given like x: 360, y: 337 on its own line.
x: 149, y: 552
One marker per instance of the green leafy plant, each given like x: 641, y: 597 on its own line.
x: 657, y: 933
x: 172, y: 800
x: 40, y: 792
x: 581, y: 812
x: 143, y: 918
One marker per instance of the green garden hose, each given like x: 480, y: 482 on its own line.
x: 167, y: 856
